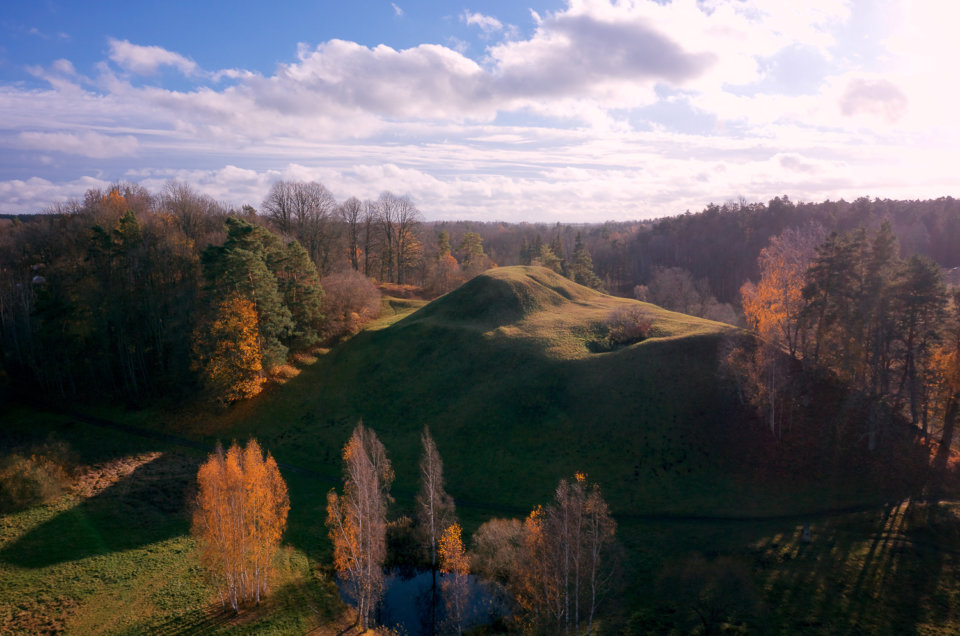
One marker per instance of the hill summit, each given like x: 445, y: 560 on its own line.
x: 541, y: 309
x: 502, y: 371
x: 506, y: 295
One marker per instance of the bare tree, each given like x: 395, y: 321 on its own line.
x: 435, y: 509
x: 279, y: 205
x: 398, y: 221
x: 434, y: 506
x: 369, y: 223
x: 190, y: 208
x: 358, y: 520
x: 303, y: 210
x: 351, y: 213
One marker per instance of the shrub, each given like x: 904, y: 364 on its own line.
x: 626, y: 325
x: 496, y: 548
x: 35, y: 475
x: 350, y: 300
x: 622, y: 326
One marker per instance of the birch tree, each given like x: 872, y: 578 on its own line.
x: 357, y: 520
x: 455, y: 566
x: 435, y: 507
x: 564, y: 563
x: 242, y: 507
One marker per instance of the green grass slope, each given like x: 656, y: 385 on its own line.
x: 501, y: 371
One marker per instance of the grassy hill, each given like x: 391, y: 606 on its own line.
x: 503, y: 372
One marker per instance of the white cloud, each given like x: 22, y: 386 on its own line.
x: 583, y: 118
x: 487, y: 23
x: 147, y: 60
x: 87, y: 144
x: 397, y: 11
x: 878, y: 97
x: 64, y: 66
x: 33, y: 195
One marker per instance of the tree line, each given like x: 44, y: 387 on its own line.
x: 131, y: 295
x: 557, y: 565
x: 125, y: 293
x: 848, y: 307
x: 715, y: 249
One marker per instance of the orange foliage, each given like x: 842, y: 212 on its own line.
x: 455, y: 565
x: 227, y: 352
x: 453, y: 559
x: 564, y: 559
x: 114, y: 203
x: 358, y: 520
x: 242, y: 507
x: 773, y: 306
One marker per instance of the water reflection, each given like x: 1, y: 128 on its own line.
x: 413, y: 605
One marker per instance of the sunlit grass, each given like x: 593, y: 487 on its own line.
x: 114, y: 555
x: 515, y: 400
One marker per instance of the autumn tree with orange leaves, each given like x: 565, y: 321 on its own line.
x: 357, y: 520
x: 455, y: 566
x: 227, y: 352
x: 774, y: 309
x: 565, y: 562
x: 241, y: 512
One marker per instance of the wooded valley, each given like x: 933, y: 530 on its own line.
x: 725, y: 378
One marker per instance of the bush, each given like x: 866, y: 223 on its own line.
x: 496, y: 549
x: 626, y: 325
x: 35, y: 475
x: 350, y: 300
x: 622, y: 326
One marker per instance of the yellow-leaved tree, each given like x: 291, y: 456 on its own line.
x: 565, y: 563
x: 227, y: 352
x: 455, y: 567
x: 242, y: 506
x: 357, y: 520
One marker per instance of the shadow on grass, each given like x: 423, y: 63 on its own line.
x: 209, y: 621
x: 146, y: 506
x: 293, y: 607
x: 892, y: 571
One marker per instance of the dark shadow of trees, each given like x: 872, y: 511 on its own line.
x: 148, y: 505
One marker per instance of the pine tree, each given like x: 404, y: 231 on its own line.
x: 547, y: 258
x: 582, y: 266
x: 472, y: 257
x: 443, y: 245
x: 299, y: 285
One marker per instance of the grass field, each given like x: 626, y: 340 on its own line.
x: 502, y: 372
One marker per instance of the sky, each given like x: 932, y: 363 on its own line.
x: 510, y: 110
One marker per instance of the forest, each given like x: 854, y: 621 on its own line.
x: 139, y: 289
x: 758, y: 362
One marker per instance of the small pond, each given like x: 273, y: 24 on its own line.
x: 411, y: 604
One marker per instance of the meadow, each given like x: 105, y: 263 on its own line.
x: 503, y: 372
